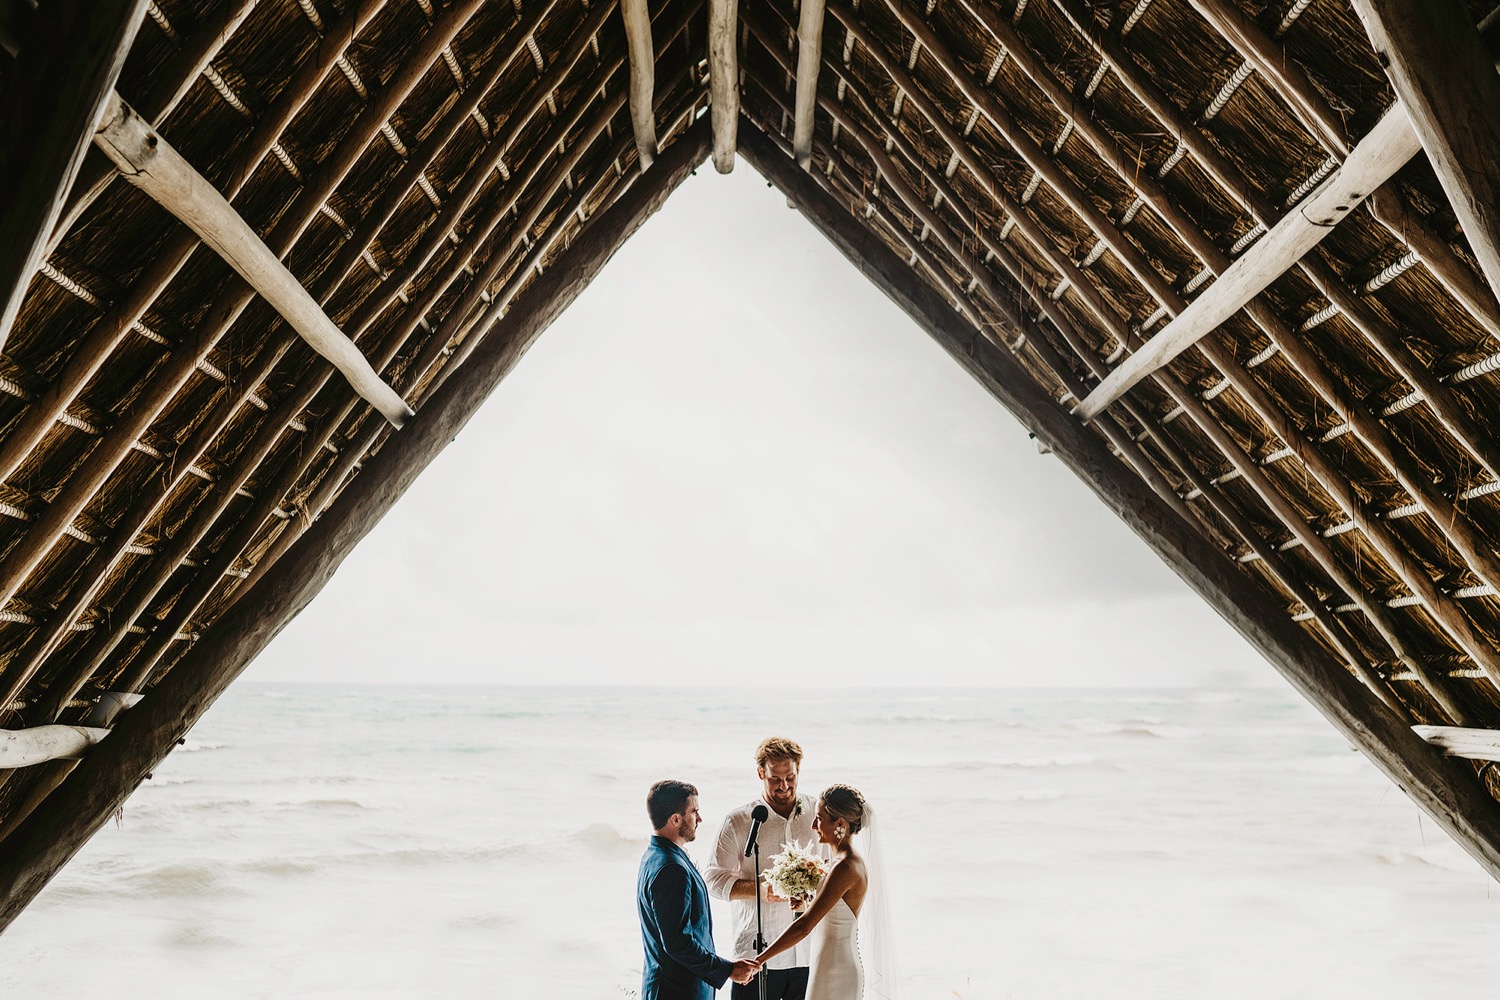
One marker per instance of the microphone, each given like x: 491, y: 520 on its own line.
x: 758, y: 815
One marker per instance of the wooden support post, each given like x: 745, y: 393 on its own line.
x: 642, y: 77
x: 724, y: 79
x: 1379, y: 155
x: 151, y: 164
x: 1452, y: 797
x: 64, y: 73
x: 144, y: 736
x: 1446, y: 79
x: 809, y: 60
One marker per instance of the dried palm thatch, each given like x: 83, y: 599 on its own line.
x: 1043, y: 185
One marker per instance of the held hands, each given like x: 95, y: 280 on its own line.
x: 744, y: 970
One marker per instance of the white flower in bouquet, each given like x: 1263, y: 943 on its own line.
x: 796, y: 873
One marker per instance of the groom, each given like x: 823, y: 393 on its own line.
x: 673, y: 902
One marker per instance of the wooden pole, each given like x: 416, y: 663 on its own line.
x: 145, y: 734
x: 64, y: 73
x: 1379, y: 155
x: 642, y: 77
x: 724, y: 79
x: 809, y: 60
x: 151, y: 164
x: 1446, y: 79
x: 1453, y: 798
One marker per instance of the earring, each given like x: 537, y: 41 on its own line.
x: 839, y: 833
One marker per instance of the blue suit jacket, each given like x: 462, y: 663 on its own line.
x: 676, y: 927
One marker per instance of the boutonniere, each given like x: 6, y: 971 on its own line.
x: 797, y: 809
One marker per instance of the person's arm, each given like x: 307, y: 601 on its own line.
x: 723, y: 872
x: 834, y: 886
x: 669, y: 899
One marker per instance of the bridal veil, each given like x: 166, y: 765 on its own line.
x: 875, y: 928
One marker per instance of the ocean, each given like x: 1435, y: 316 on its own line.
x: 411, y: 842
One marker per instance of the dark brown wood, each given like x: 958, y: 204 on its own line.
x: 67, y: 66
x: 1450, y: 795
x: 1445, y: 78
x: 145, y: 734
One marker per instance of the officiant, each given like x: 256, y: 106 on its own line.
x: 732, y: 876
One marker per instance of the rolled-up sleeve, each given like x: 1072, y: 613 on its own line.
x: 724, y: 870
x: 669, y: 898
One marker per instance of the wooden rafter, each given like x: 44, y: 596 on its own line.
x: 809, y: 61
x: 64, y: 72
x: 84, y: 802
x: 1379, y: 155
x: 151, y: 164
x: 724, y: 79
x: 642, y: 78
x: 1445, y: 78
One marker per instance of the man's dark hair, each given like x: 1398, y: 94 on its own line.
x: 666, y: 799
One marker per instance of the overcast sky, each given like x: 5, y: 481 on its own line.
x: 733, y: 454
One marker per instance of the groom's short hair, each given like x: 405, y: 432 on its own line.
x: 777, y: 748
x: 666, y: 799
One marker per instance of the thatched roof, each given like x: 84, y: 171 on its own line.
x: 1042, y: 184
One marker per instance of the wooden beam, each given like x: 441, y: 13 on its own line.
x: 642, y: 77
x: 64, y: 73
x: 724, y: 79
x: 25, y: 747
x: 809, y: 60
x: 1445, y: 78
x: 150, y: 163
x: 144, y: 736
x: 1454, y: 798
x: 1379, y: 155
x: 1473, y: 744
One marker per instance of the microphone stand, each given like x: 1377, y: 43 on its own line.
x: 760, y: 931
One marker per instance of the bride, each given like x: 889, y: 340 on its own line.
x: 848, y: 900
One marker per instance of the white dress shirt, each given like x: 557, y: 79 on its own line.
x: 730, y: 864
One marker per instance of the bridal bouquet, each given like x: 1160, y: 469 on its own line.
x: 796, y: 873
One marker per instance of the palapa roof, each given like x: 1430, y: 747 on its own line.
x: 1042, y: 184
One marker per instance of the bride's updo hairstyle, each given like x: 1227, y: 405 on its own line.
x: 844, y: 802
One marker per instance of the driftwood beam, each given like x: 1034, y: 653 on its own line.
x: 102, y: 782
x: 1472, y: 744
x: 809, y: 60
x: 151, y: 164
x: 724, y: 79
x: 25, y: 747
x: 63, y: 75
x: 642, y: 77
x: 1453, y: 798
x: 1445, y: 78
x: 1379, y: 155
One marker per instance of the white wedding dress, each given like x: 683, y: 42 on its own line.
x: 835, y: 973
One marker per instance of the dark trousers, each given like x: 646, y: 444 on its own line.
x: 781, y: 984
